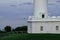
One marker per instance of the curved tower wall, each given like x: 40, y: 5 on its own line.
x: 41, y: 8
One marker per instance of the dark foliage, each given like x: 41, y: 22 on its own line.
x: 7, y: 28
x: 23, y: 28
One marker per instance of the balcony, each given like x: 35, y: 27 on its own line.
x: 53, y: 18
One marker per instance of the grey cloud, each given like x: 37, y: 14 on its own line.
x: 51, y: 4
x: 26, y: 3
x: 13, y: 5
x: 57, y: 1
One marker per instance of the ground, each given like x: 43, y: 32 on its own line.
x: 25, y: 36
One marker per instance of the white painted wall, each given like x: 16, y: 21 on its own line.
x: 49, y: 27
x: 29, y: 27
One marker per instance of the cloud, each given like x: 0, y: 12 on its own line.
x: 51, y: 4
x: 13, y: 5
x: 21, y: 4
x: 57, y: 1
x: 27, y: 3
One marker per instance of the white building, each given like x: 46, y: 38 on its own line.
x: 41, y: 22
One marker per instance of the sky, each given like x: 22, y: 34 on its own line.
x: 15, y: 12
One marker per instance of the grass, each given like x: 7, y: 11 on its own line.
x: 24, y: 36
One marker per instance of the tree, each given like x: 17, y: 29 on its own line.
x: 18, y: 29
x: 23, y: 28
x: 7, y: 28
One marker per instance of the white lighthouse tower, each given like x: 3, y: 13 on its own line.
x: 41, y: 8
x: 41, y: 22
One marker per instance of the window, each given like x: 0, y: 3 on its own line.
x: 42, y: 15
x: 41, y: 28
x: 57, y: 27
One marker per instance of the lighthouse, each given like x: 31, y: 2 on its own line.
x: 40, y: 22
x: 41, y: 8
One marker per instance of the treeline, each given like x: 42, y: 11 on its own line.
x: 22, y: 29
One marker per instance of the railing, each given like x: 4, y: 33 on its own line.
x: 53, y: 18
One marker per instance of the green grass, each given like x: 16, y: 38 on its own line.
x: 24, y: 36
